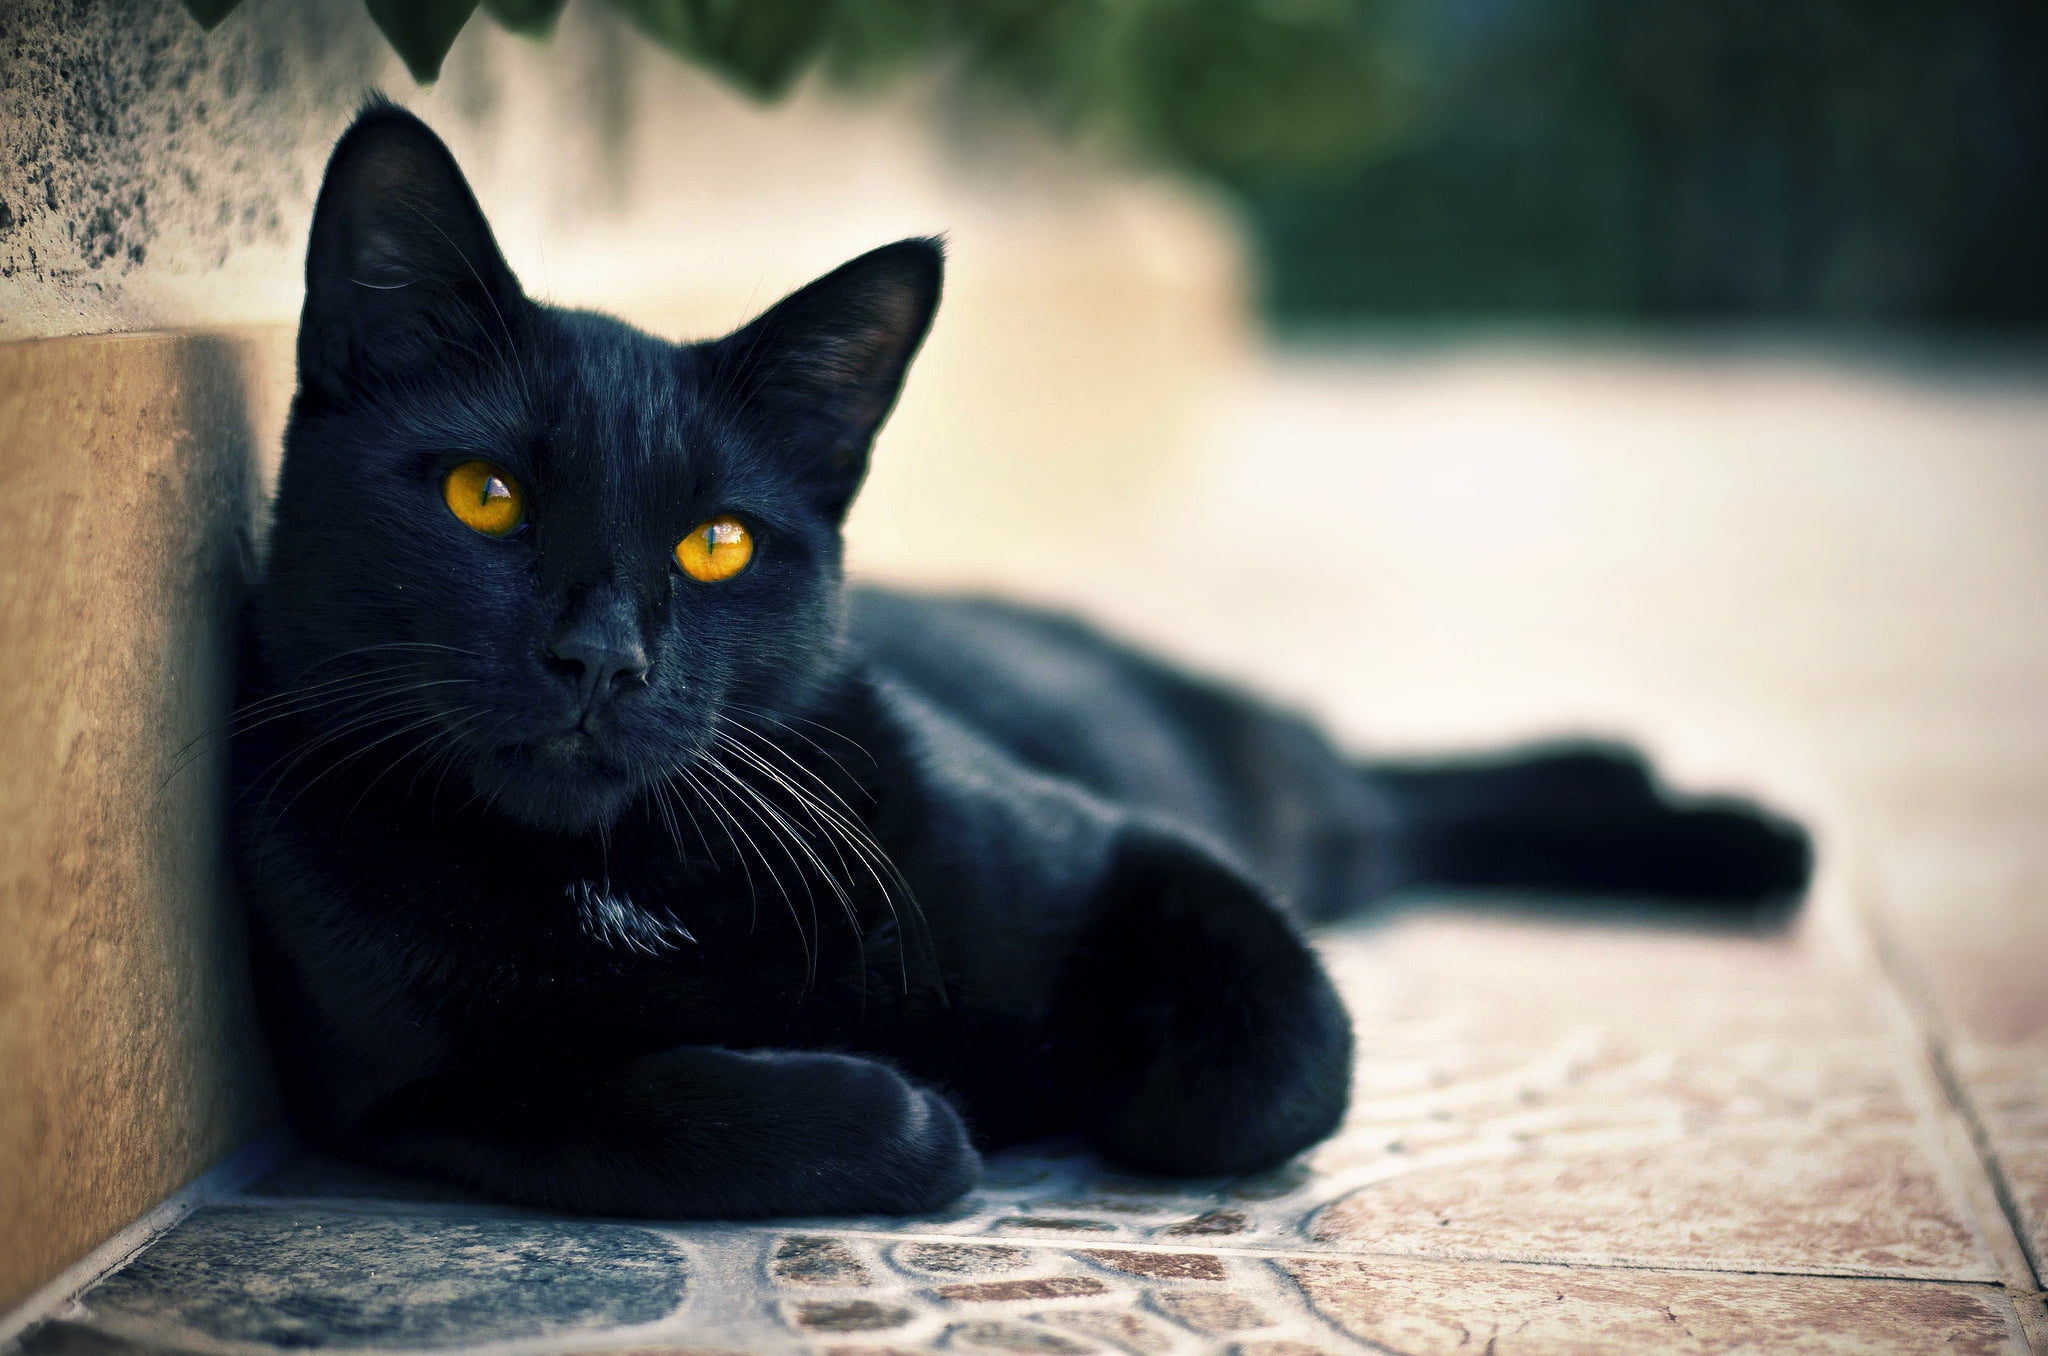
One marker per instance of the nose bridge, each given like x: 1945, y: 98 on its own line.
x: 600, y: 639
x: 586, y: 563
x: 591, y: 563
x: 603, y: 609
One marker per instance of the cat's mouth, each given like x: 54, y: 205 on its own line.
x: 571, y: 760
x: 571, y: 749
x: 571, y: 780
x: 568, y: 781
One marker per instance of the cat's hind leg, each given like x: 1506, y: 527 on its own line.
x: 1583, y: 819
x: 1197, y: 1029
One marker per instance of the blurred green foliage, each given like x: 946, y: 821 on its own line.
x: 1828, y: 162
x: 1832, y: 160
x: 421, y: 31
x: 1245, y: 91
x: 528, y: 18
x: 761, y: 48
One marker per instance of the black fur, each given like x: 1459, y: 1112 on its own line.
x: 590, y: 885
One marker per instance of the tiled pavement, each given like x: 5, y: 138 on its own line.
x: 1568, y: 1134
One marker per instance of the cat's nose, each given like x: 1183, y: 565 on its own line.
x: 598, y: 662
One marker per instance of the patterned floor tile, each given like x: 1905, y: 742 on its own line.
x: 234, y: 1276
x: 1534, y: 1091
x: 1635, y: 1097
x: 1435, y: 1309
x: 256, y: 1279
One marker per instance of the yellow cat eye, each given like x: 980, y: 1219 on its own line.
x: 716, y: 549
x: 484, y: 499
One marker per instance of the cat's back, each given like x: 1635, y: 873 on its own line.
x: 1049, y: 689
x: 1066, y: 699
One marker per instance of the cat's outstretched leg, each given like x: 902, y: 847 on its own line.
x: 1197, y: 1027
x: 690, y: 1132
x: 1584, y: 819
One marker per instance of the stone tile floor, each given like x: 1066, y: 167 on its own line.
x: 1567, y: 1136
x: 1569, y: 1133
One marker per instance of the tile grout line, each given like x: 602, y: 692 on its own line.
x: 1279, y: 1252
x: 1965, y: 1148
x: 224, y: 1179
x: 1957, y: 1093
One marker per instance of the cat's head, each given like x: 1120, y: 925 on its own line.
x: 546, y: 548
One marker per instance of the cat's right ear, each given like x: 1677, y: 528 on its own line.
x: 828, y: 360
x: 401, y: 268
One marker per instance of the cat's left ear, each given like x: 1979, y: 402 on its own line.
x: 401, y: 271
x: 823, y: 366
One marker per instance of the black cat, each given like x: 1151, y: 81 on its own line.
x: 604, y: 853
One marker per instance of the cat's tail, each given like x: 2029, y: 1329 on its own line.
x: 1588, y: 821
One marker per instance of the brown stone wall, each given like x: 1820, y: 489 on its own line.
x: 126, y: 1051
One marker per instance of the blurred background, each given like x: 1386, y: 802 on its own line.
x: 1457, y: 371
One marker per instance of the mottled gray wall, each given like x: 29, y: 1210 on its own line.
x: 156, y: 174
x: 137, y: 141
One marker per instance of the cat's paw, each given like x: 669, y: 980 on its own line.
x: 896, y: 1148
x: 1732, y: 849
x: 1203, y: 1029
x: 693, y: 1132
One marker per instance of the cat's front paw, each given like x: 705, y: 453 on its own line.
x: 900, y: 1149
x: 1200, y: 1025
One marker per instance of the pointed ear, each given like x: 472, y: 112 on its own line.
x: 822, y: 368
x: 401, y: 268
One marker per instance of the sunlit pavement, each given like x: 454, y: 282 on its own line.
x: 1817, y: 579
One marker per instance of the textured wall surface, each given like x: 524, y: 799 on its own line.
x: 159, y: 176
x: 125, y: 1044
